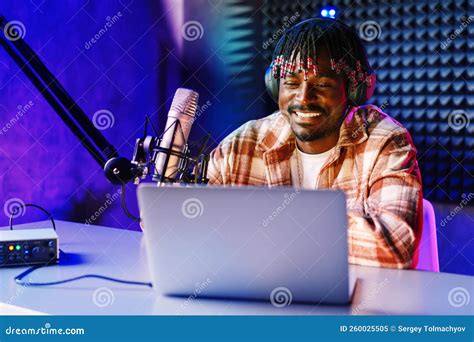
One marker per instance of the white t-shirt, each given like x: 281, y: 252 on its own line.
x: 309, y: 167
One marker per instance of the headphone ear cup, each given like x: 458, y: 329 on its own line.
x: 363, y: 92
x: 272, y: 84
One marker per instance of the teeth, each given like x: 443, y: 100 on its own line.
x: 308, y: 115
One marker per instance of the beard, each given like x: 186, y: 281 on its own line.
x: 311, y: 133
x: 324, y: 126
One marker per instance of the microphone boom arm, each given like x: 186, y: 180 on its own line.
x: 118, y: 170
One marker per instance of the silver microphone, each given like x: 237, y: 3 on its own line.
x: 180, y: 119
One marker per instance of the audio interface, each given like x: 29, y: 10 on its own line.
x: 24, y: 247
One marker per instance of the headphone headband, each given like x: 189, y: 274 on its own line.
x: 358, y: 93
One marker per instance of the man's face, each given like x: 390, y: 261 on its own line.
x: 316, y: 106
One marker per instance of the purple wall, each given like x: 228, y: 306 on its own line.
x: 108, y: 55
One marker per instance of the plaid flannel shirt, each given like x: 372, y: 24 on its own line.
x: 374, y: 163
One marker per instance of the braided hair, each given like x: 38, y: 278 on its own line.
x: 298, y: 48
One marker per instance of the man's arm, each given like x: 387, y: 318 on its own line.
x: 216, y: 170
x: 388, y: 231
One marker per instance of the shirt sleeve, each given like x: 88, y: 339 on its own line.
x: 216, y: 169
x: 222, y: 158
x: 386, y: 232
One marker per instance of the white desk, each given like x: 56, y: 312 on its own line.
x: 121, y: 254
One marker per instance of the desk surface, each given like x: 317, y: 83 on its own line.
x: 121, y: 254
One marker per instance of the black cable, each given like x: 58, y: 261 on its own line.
x: 19, y: 278
x: 15, y: 211
x: 61, y: 101
x: 124, y: 206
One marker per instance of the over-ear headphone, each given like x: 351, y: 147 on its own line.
x: 356, y: 95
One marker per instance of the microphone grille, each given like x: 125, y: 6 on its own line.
x: 185, y: 101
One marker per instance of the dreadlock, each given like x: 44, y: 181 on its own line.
x: 298, y: 48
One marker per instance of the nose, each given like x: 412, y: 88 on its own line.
x: 307, y: 94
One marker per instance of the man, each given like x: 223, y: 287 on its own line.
x: 321, y: 138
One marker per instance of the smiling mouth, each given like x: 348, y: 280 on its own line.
x: 307, y: 115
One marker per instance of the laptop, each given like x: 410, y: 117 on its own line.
x: 281, y: 244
